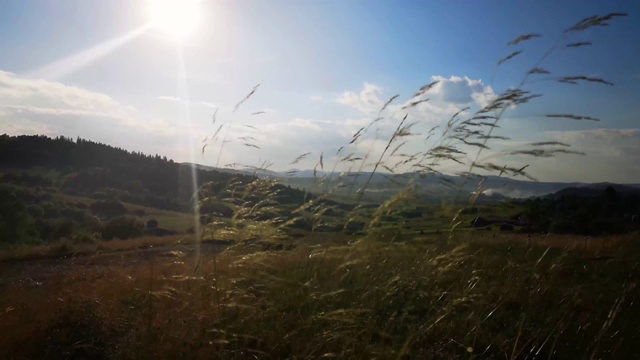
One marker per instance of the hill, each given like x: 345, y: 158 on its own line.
x: 83, y: 191
x: 96, y: 170
x: 589, y: 210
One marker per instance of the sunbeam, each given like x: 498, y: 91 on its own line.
x: 67, y: 65
x: 182, y: 92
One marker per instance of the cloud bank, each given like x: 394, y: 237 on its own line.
x: 30, y: 106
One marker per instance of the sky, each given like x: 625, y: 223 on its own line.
x: 109, y: 71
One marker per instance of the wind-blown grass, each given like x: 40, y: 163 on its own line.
x: 459, y: 142
x: 491, y: 298
x: 385, y: 292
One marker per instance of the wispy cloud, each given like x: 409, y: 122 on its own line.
x: 172, y: 99
x: 208, y: 104
x: 612, y: 155
x: 26, y: 109
x: 609, y: 136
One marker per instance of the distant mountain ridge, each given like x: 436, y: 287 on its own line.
x: 88, y: 166
x: 493, y: 186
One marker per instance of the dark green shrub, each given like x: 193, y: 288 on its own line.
x: 108, y: 209
x: 35, y: 211
x: 64, y: 228
x: 122, y: 228
x: 51, y: 210
x: 152, y: 224
x: 72, y: 213
x: 16, y: 225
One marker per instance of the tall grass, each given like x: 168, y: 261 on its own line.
x: 458, y: 142
x: 493, y: 298
x: 389, y: 294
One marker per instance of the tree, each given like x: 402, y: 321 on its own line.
x: 16, y: 225
x: 108, y: 209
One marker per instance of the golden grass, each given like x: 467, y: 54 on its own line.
x: 490, y: 298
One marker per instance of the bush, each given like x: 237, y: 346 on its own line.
x: 64, y: 228
x: 35, y: 211
x: 51, y: 210
x: 108, y: 209
x: 122, y: 228
x: 16, y: 225
x: 152, y: 224
x: 84, y: 237
x: 72, y: 213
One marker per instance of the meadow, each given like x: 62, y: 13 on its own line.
x: 256, y: 269
x: 333, y: 296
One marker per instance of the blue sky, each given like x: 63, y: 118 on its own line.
x: 97, y: 70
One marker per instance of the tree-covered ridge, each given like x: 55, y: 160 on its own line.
x: 35, y: 171
x: 94, y: 169
x: 614, y: 210
x: 27, y: 151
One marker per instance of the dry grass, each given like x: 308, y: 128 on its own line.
x: 370, y: 299
x: 66, y: 248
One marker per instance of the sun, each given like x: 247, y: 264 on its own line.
x: 177, y: 18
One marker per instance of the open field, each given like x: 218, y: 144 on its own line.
x: 170, y: 220
x: 332, y: 297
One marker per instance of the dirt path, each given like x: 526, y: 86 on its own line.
x: 39, y: 272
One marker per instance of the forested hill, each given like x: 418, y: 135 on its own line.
x: 93, y: 169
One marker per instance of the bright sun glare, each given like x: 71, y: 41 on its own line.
x: 175, y: 17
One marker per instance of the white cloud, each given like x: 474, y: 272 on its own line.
x: 41, y: 93
x: 445, y: 98
x: 367, y: 101
x: 461, y: 90
x: 316, y: 98
x: 30, y: 106
x: 435, y: 107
